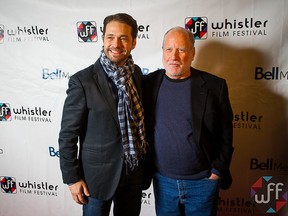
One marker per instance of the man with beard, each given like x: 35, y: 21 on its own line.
x: 103, y: 110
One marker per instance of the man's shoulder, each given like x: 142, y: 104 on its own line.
x: 154, y: 74
x: 207, y: 76
x: 137, y: 72
x: 88, y: 71
x: 137, y: 69
x: 85, y: 71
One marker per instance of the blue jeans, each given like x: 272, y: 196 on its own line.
x: 185, y: 197
x: 126, y: 199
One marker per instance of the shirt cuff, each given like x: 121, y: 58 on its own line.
x: 216, y: 172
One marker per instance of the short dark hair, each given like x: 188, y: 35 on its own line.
x: 123, y: 18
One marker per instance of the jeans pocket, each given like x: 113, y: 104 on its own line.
x: 212, y: 180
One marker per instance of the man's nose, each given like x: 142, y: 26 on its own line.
x: 175, y: 54
x: 116, y: 42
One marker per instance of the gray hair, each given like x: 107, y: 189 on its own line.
x: 178, y: 28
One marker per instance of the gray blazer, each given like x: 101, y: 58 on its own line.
x: 90, y: 117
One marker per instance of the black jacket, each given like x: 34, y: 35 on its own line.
x: 212, y: 117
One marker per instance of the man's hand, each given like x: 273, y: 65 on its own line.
x: 79, y: 191
x: 214, y: 177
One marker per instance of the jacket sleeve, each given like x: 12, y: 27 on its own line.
x: 225, y: 148
x: 71, y: 126
x: 227, y: 127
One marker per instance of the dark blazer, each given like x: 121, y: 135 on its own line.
x: 90, y: 116
x: 212, y: 117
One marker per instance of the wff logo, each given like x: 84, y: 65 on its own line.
x: 265, y: 191
x: 87, y: 31
x: 198, y: 26
x: 5, y: 112
x: 1, y: 33
x: 8, y: 184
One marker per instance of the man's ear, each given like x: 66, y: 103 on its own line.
x: 193, y: 50
x: 134, y: 43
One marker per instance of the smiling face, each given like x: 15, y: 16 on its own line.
x: 178, y: 54
x: 118, y: 42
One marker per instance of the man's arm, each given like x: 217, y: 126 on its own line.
x: 72, y: 123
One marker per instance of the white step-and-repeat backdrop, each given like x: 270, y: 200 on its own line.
x: 42, y: 43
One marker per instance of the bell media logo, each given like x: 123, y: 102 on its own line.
x: 54, y: 74
x: 5, y: 112
x: 270, y: 194
x: 87, y: 31
x: 8, y: 184
x: 198, y: 26
x: 1, y: 33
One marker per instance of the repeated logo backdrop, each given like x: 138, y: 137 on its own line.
x: 43, y: 43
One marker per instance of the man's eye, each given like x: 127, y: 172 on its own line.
x: 109, y: 38
x: 123, y: 38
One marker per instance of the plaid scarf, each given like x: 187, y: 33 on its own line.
x: 130, y: 110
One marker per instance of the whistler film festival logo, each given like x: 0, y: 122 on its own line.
x: 43, y: 188
x: 5, y: 112
x: 198, y: 26
x: 248, y: 120
x: 8, y: 184
x: 33, y: 33
x: 241, y: 27
x: 269, y: 193
x: 146, y: 198
x: 143, y: 31
x: 235, y: 206
x: 87, y: 31
x: 32, y: 114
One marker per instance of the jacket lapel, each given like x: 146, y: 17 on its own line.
x: 137, y: 79
x: 155, y: 88
x: 102, y: 83
x: 199, y: 97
